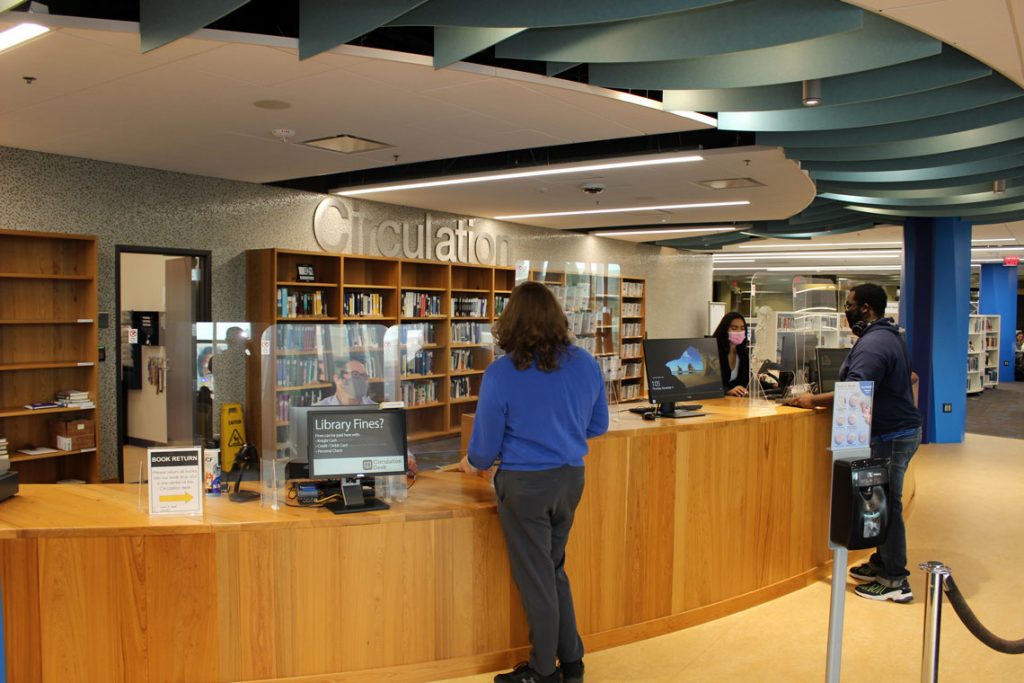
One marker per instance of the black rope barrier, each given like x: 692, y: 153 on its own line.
x: 966, y: 614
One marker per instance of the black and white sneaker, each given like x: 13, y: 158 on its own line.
x: 523, y: 673
x: 879, y: 591
x: 572, y: 672
x: 863, y: 572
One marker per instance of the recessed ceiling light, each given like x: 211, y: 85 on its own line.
x: 816, y: 245
x: 19, y: 34
x: 271, y: 104
x: 866, y: 253
x: 729, y: 183
x: 663, y: 231
x: 347, y: 144
x: 521, y: 174
x: 624, y: 209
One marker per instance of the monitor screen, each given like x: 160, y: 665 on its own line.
x: 354, y: 441
x: 682, y: 369
x: 829, y: 363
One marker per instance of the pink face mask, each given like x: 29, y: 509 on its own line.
x: 737, y: 338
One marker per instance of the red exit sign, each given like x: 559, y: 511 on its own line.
x: 1011, y: 260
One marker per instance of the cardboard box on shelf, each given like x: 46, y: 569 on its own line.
x: 74, y: 427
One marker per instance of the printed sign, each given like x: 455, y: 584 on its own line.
x: 851, y: 415
x: 175, y: 481
x: 133, y: 335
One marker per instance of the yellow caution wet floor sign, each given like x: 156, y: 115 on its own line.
x: 232, y: 434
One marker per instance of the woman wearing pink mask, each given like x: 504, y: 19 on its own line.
x: 733, y: 354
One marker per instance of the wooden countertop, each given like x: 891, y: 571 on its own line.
x: 114, y: 509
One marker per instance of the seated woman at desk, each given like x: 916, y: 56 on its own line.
x: 733, y: 353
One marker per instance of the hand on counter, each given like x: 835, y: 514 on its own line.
x: 802, y: 401
x: 737, y: 391
x: 467, y: 467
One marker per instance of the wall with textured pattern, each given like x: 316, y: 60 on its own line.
x: 128, y: 205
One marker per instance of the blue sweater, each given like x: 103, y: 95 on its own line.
x: 880, y: 356
x: 537, y: 420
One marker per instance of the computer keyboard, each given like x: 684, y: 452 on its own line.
x: 640, y: 410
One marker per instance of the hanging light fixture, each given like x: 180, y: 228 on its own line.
x: 999, y: 186
x: 812, y: 92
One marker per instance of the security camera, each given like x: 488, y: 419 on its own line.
x: 592, y: 188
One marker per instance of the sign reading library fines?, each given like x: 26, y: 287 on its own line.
x: 175, y: 481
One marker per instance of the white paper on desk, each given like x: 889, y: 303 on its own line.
x: 42, y: 450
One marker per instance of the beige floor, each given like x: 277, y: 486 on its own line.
x: 969, y: 511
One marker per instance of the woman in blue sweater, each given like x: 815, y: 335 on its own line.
x: 538, y: 405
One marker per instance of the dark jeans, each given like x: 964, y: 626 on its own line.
x: 890, y: 558
x: 536, y: 511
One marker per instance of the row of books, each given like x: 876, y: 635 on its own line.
x: 500, y: 302
x: 460, y: 387
x: 298, y: 399
x: 305, y: 302
x: 631, y: 330
x: 364, y: 304
x: 632, y: 350
x: 469, y: 307
x: 582, y: 322
x: 419, y: 393
x: 68, y: 398
x: 417, y: 333
x: 422, y: 363
x: 632, y: 310
x: 420, y: 304
x: 461, y: 359
x: 630, y: 392
x: 630, y: 370
x: 297, y: 372
x: 633, y: 289
x: 469, y: 333
x: 5, y: 461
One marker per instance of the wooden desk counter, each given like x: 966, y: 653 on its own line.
x: 682, y: 521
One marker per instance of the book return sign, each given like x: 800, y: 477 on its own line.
x: 175, y: 481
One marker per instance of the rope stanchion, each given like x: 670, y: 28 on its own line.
x: 966, y: 614
x: 940, y: 578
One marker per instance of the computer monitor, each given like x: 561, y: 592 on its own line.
x: 302, y: 418
x: 829, y: 362
x: 351, y: 443
x: 798, y: 356
x: 682, y: 370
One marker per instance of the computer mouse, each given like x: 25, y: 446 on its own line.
x: 650, y: 416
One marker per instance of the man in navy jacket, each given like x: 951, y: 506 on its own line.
x: 880, y: 356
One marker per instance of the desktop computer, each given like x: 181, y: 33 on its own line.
x: 680, y: 370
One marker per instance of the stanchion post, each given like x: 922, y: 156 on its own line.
x: 936, y: 574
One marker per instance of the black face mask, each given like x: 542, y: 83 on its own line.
x: 857, y: 323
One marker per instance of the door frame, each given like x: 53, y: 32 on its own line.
x: 203, y: 314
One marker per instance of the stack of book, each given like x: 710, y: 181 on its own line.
x: 5, y: 462
x: 74, y: 398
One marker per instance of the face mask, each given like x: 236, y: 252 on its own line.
x: 737, y: 338
x: 359, y: 387
x: 857, y: 323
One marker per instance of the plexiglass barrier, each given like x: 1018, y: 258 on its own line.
x: 791, y: 317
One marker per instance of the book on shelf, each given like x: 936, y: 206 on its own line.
x: 41, y: 405
x: 41, y: 450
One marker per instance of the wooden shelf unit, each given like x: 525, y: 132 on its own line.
x: 633, y: 386
x: 48, y: 342
x: 385, y: 282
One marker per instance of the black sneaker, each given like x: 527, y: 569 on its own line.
x: 522, y: 673
x: 572, y: 672
x: 863, y: 572
x: 879, y: 591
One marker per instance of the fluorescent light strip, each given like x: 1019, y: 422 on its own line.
x: 836, y: 268
x: 666, y: 231
x: 870, y: 253
x: 523, y: 174
x: 817, y: 245
x: 625, y: 209
x: 997, y: 248
x: 19, y: 34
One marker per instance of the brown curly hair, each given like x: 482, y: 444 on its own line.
x: 533, y: 327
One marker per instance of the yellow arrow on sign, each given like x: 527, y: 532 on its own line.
x: 177, y: 498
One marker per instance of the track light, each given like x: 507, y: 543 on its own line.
x: 812, y: 92
x: 999, y: 186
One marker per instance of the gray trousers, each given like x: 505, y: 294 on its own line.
x: 536, y: 511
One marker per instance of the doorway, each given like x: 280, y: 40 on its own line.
x: 161, y: 295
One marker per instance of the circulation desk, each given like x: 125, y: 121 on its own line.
x: 682, y: 521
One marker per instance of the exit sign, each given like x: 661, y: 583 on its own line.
x: 1011, y: 260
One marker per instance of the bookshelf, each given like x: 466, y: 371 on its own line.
x: 991, y: 376
x: 607, y: 317
x: 434, y: 312
x: 982, y: 353
x: 48, y: 343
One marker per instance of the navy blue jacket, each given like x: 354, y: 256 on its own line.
x: 880, y: 356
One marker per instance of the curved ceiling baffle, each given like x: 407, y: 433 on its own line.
x: 907, y: 125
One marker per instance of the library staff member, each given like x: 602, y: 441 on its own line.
x: 538, y: 405
x: 733, y: 353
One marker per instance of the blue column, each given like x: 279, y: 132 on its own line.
x: 999, y: 297
x: 934, y: 307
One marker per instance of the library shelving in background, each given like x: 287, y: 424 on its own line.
x: 48, y: 343
x: 607, y: 316
x: 445, y: 302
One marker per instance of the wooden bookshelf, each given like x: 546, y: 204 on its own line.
x: 48, y: 342
x: 632, y: 384
x: 383, y: 292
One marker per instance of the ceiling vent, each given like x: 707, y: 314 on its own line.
x: 347, y: 144
x: 729, y: 183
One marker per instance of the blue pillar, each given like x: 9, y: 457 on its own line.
x: 999, y: 297
x: 934, y: 307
